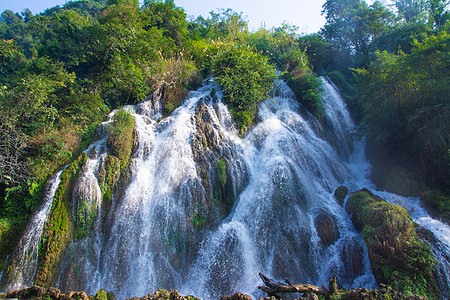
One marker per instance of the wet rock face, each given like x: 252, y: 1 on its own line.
x: 340, y: 193
x: 206, y: 136
x: 326, y: 226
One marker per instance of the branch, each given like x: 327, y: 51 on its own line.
x: 273, y: 288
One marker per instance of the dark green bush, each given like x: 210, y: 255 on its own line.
x: 246, y: 78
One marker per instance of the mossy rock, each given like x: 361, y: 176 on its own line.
x: 340, y: 193
x: 101, y: 295
x: 58, y: 231
x: 120, y: 139
x: 398, y: 257
x: 222, y: 171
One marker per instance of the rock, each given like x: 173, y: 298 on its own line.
x: 175, y: 295
x: 340, y: 193
x: 77, y: 295
x: 237, y: 296
x: 309, y: 296
x: 326, y: 226
x: 206, y: 136
x: 396, y: 253
x: 53, y: 293
x: 111, y: 296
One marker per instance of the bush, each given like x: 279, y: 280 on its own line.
x: 246, y: 78
x: 306, y: 87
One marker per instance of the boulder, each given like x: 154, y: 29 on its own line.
x: 340, y: 193
x: 398, y: 257
x: 327, y: 229
x: 237, y: 296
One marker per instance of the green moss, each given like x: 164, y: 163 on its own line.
x: 58, y: 231
x: 198, y: 216
x: 438, y: 203
x: 101, y: 295
x: 108, y: 178
x: 120, y: 140
x: 222, y: 171
x: 397, y: 255
x: 9, y: 229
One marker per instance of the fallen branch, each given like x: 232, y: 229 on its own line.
x: 273, y: 288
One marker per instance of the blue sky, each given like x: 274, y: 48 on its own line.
x: 306, y: 14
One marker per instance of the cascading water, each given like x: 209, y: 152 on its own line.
x: 25, y: 257
x: 179, y: 224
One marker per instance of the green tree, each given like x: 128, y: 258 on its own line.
x: 167, y: 17
x: 410, y: 10
x: 405, y: 102
x: 352, y: 25
x: 438, y: 12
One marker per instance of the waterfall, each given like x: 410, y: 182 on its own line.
x: 25, y: 257
x: 178, y: 224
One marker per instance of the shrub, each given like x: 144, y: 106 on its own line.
x: 246, y: 78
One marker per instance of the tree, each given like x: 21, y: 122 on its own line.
x: 438, y: 12
x: 166, y: 17
x: 246, y: 78
x: 352, y: 25
x: 13, y: 165
x: 405, y: 103
x: 410, y: 10
x: 225, y: 25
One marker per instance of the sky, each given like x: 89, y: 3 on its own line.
x: 306, y: 14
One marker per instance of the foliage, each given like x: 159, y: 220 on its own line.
x: 319, y: 52
x: 101, y: 295
x: 120, y: 139
x: 224, y: 25
x: 307, y: 87
x: 397, y: 255
x: 351, y: 25
x: 246, y: 78
x: 405, y: 103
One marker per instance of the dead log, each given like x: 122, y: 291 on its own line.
x: 273, y: 288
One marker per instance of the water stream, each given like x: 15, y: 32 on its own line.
x: 26, y: 254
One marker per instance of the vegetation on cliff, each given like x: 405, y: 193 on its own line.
x: 398, y: 257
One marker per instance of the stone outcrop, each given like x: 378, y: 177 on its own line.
x: 340, y: 193
x: 326, y: 226
x: 398, y: 257
x: 37, y: 292
x: 222, y: 174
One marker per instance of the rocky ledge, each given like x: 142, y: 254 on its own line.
x: 40, y: 293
